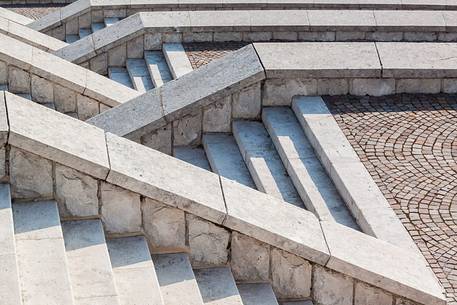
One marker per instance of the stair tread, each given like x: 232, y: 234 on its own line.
x: 263, y: 161
x: 194, y: 156
x: 139, y: 74
x: 225, y: 158
x: 177, y: 59
x: 97, y: 26
x: 309, y: 176
x: 217, y: 286
x: 176, y: 279
x: 71, y: 38
x: 134, y: 273
x: 83, y: 32
x: 158, y: 68
x: 120, y: 75
x: 109, y: 21
x: 41, y: 255
x: 89, y: 264
x: 257, y: 294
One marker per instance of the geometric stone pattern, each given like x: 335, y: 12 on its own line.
x: 35, y: 11
x: 408, y: 144
x: 203, y: 53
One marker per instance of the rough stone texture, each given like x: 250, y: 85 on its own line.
x: 164, y: 226
x: 291, y: 275
x: 76, y: 193
x: 250, y: 260
x: 120, y: 209
x: 36, y: 11
x: 42, y: 90
x: 3, y: 73
x: 279, y: 92
x: 159, y: 140
x: 18, y: 80
x: 208, y: 242
x: 87, y: 107
x: 247, y: 103
x: 217, y: 116
x: 152, y: 41
x: 64, y: 99
x: 365, y: 294
x: 203, y: 53
x: 187, y: 131
x: 31, y: 176
x: 407, y: 144
x: 330, y: 288
x: 372, y: 86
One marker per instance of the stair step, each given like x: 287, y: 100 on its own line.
x: 177, y: 280
x: 307, y: 173
x: 263, y: 161
x: 120, y: 75
x: 89, y: 263
x: 41, y: 258
x: 217, y: 286
x: 139, y: 74
x: 9, y: 277
x: 158, y: 68
x: 177, y: 59
x: 71, y: 38
x: 3, y: 87
x: 83, y: 32
x: 194, y: 156
x: 97, y: 26
x: 134, y: 273
x: 109, y: 21
x: 257, y: 294
x: 27, y: 96
x: 225, y: 158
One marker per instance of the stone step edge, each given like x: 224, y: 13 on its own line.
x: 359, y: 256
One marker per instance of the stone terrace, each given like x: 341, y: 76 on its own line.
x: 408, y: 144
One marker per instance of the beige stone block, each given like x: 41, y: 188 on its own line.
x: 372, y: 86
x: 164, y: 226
x: 3, y: 73
x: 187, y: 130
x: 153, y: 41
x: 117, y: 57
x: 18, y: 80
x: 250, y: 258
x: 332, y: 86
x: 418, y: 85
x: 197, y: 37
x: 257, y: 36
x: 135, y: 47
x: 285, y: 36
x: 64, y: 99
x: 87, y: 107
x: 279, y: 92
x: 104, y: 107
x: 76, y: 193
x: 85, y: 20
x: 72, y: 26
x: 159, y: 139
x: 31, y: 175
x: 59, y: 32
x: 227, y: 36
x: 172, y: 37
x: 366, y: 294
x: 247, y: 103
x: 208, y: 242
x: 331, y: 288
x: 99, y: 64
x: 291, y: 275
x: 217, y: 116
x: 120, y: 209
x: 42, y: 90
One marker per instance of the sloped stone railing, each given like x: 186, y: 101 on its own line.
x: 14, y: 17
x: 46, y: 155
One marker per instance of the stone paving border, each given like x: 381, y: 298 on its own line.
x: 138, y: 169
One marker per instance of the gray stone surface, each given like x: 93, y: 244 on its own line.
x: 208, y: 242
x: 188, y: 130
x: 257, y: 294
x: 176, y: 279
x: 87, y: 107
x: 247, y: 103
x: 280, y: 91
x: 217, y: 116
x: 177, y: 59
x: 194, y: 156
x: 346, y: 20
x: 366, y: 294
x: 158, y: 68
x: 428, y: 21
x: 263, y: 162
x: 134, y: 274
x: 139, y: 74
x: 42, y: 90
x: 64, y: 99
x: 159, y: 139
x: 225, y: 158
x: 217, y: 286
x: 18, y: 80
x: 332, y: 288
x: 120, y: 75
x: 91, y: 274
x: 40, y: 253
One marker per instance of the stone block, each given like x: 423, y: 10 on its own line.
x: 164, y: 226
x: 76, y: 193
x: 120, y: 209
x: 257, y: 36
x: 2, y: 163
x: 384, y: 36
x: 42, y: 90
x: 72, y: 27
x: 64, y: 99
x: 372, y: 86
x: 59, y: 33
x: 402, y: 301
x: 187, y: 130
x: 135, y: 47
x: 332, y: 86
x: 104, y: 107
x: 447, y: 37
x: 247, y: 103
x: 87, y: 107
x: 331, y: 288
x: 349, y: 36
x: 418, y: 85
x: 31, y: 175
x: 450, y: 85
x: 366, y: 294
x: 85, y: 20
x: 99, y: 64
x: 250, y: 258
x: 227, y: 36
x: 291, y: 275
x: 197, y: 37
x: 279, y: 92
x: 217, y: 116
x: 3, y: 72
x: 117, y: 56
x: 18, y: 80
x: 97, y: 15
x: 316, y: 36
x: 208, y: 242
x: 420, y: 36
x: 160, y: 139
x: 285, y: 36
x: 153, y: 41
x: 172, y: 37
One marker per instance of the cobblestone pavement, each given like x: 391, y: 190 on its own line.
x: 34, y: 11
x: 409, y: 145
x: 202, y: 53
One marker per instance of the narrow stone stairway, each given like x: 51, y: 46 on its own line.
x: 94, y: 27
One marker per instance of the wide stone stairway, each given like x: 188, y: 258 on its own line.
x: 74, y: 33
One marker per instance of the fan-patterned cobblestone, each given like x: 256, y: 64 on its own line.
x: 408, y: 143
x: 202, y: 53
x: 34, y: 10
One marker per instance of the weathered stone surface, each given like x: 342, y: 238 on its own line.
x: 18, y: 80
x: 217, y: 116
x: 87, y: 107
x: 250, y: 258
x: 365, y: 294
x: 279, y: 91
x: 410, y: 85
x: 329, y: 86
x: 31, y: 176
x: 135, y: 47
x: 153, y: 41
x: 247, y: 103
x: 217, y: 286
x: 331, y: 288
x: 4, y: 125
x: 291, y: 275
x: 187, y: 131
x: 159, y: 139
x: 117, y: 56
x: 3, y: 72
x: 208, y: 242
x: 76, y: 193
x: 120, y: 209
x: 64, y: 99
x: 372, y: 86
x: 362, y: 20
x: 257, y: 293
x: 164, y: 226
x: 42, y: 90
x: 194, y: 156
x: 99, y: 64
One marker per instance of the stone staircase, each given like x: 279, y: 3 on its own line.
x: 94, y: 27
x: 275, y: 156
x: 52, y: 261
x: 155, y: 69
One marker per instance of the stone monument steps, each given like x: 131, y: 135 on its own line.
x: 158, y: 68
x: 193, y: 155
x: 257, y: 294
x: 139, y: 74
x: 120, y: 75
x: 177, y: 59
x: 89, y: 265
x: 94, y: 27
x: 134, y: 273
